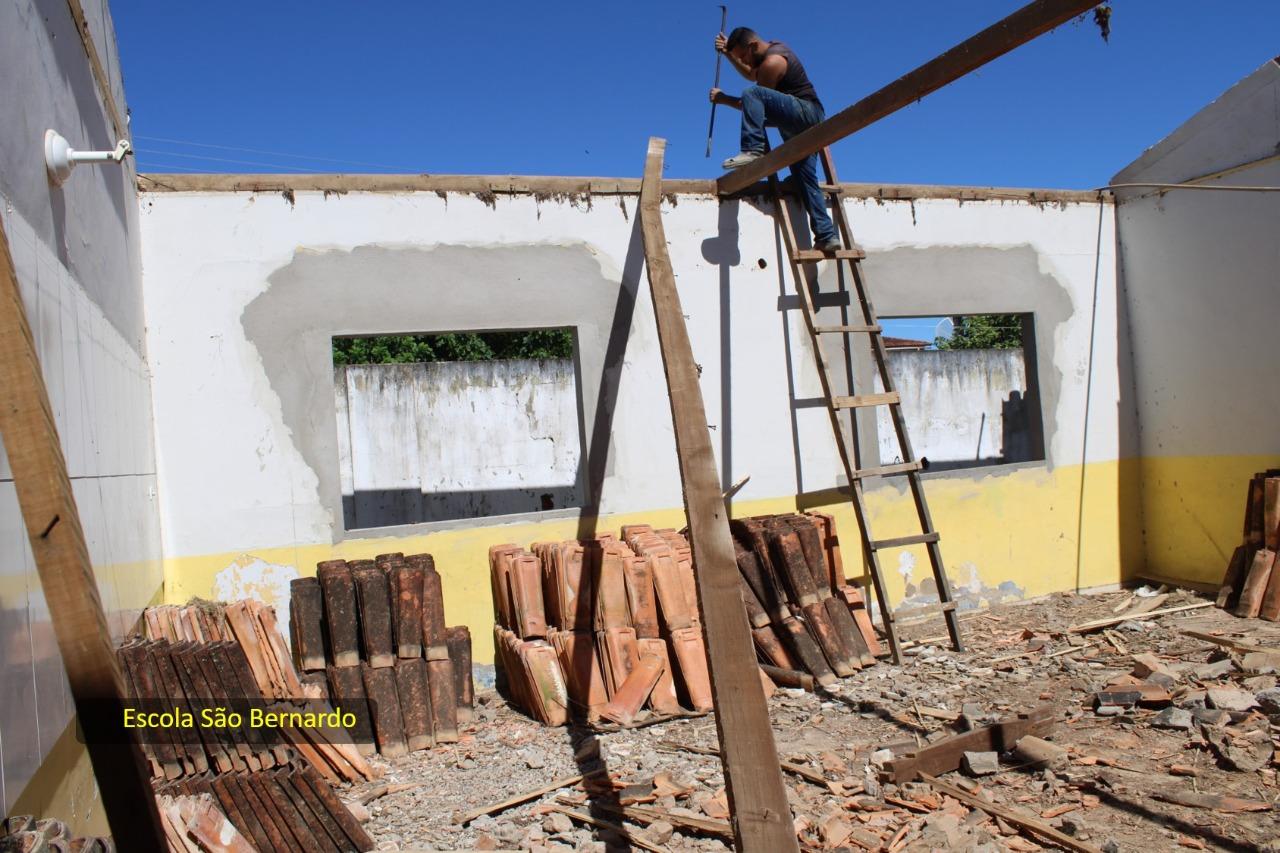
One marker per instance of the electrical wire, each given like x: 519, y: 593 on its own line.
x: 151, y: 166
x: 1088, y: 397
x: 1220, y: 187
x: 150, y: 151
x: 269, y: 153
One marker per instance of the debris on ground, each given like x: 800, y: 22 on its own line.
x: 1190, y: 762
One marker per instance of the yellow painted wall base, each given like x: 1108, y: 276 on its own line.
x: 64, y: 788
x: 1018, y: 526
x: 1193, y: 512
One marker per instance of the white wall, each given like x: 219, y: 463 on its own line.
x: 399, y: 448
x: 963, y: 407
x: 76, y: 254
x: 1201, y: 294
x: 238, y: 474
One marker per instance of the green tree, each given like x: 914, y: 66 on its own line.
x: 454, y: 346
x: 983, y: 331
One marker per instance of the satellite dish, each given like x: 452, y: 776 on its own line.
x: 944, y: 329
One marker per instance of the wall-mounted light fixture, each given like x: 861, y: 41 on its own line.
x: 60, y: 158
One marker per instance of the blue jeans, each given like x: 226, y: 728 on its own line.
x: 790, y: 115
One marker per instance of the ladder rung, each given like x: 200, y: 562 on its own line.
x: 828, y: 330
x: 814, y: 255
x: 887, y: 470
x: 864, y: 400
x: 831, y: 189
x: 903, y: 541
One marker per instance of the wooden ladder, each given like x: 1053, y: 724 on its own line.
x: 866, y: 324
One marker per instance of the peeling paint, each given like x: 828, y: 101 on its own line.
x: 248, y: 576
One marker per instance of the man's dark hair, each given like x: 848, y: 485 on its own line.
x: 739, y: 37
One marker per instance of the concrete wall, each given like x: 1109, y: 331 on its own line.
x: 401, y: 461
x: 451, y: 440
x: 76, y: 252
x: 1201, y: 294
x: 963, y: 408
x: 245, y: 289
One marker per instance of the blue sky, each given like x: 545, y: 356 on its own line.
x: 577, y: 88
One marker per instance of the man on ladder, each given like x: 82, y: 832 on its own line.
x: 784, y: 97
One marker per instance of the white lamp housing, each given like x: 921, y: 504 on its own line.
x: 60, y: 158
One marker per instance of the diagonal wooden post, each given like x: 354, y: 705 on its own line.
x: 753, y: 778
x: 1032, y: 20
x: 66, y: 574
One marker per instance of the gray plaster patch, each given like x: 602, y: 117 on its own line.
x: 374, y: 290
x: 947, y: 280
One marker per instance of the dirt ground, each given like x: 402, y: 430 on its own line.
x: 1106, y: 795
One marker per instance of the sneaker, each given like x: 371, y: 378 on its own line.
x: 828, y: 247
x: 737, y: 161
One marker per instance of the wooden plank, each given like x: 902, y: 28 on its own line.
x: 1231, y: 643
x: 848, y: 329
x: 757, y: 796
x: 815, y: 255
x: 944, y: 756
x: 903, y: 541
x: 1096, y: 624
x: 600, y: 823
x: 862, y: 401
x: 66, y: 574
x: 1019, y: 819
x: 519, y: 799
x: 1255, y: 584
x: 887, y: 470
x: 504, y: 185
x: 639, y: 814
x: 1022, y: 26
x: 794, y: 769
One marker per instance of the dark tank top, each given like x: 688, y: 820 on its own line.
x: 794, y: 81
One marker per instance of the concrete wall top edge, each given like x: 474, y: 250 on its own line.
x: 553, y: 186
x: 1238, y: 127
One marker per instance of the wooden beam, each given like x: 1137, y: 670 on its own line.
x: 753, y: 779
x: 944, y: 756
x: 1085, y: 627
x: 485, y: 186
x: 996, y: 40
x: 1013, y: 816
x: 66, y: 575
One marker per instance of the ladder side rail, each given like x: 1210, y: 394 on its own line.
x: 895, y: 413
x: 859, y: 504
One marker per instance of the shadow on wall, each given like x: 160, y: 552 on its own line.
x: 392, y: 507
x: 1018, y: 439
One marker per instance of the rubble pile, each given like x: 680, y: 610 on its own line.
x: 1065, y: 777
